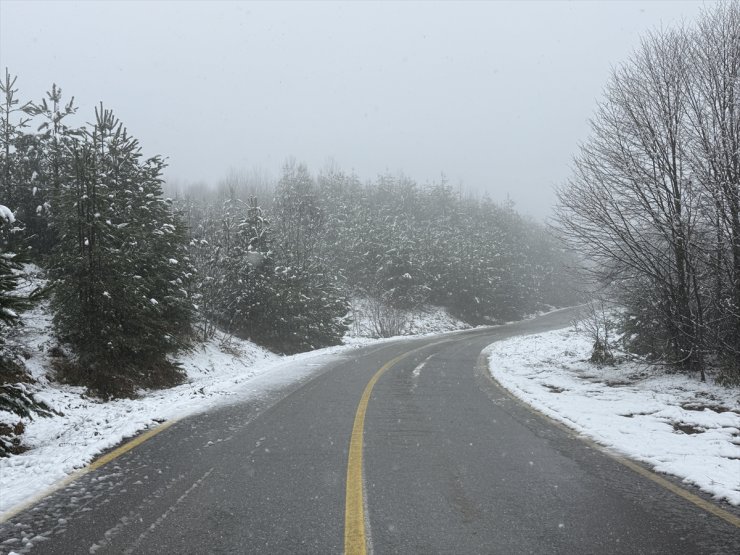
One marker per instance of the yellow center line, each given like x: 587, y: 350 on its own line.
x: 355, y: 539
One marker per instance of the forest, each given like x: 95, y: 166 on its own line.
x: 134, y: 276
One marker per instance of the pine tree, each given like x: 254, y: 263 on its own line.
x: 14, y: 163
x: 309, y: 312
x: 10, y: 303
x: 121, y: 271
x: 246, y: 266
x: 14, y: 117
x: 306, y: 302
x: 299, y: 219
x: 50, y: 153
x: 14, y: 396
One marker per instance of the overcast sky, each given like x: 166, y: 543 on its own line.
x: 495, y: 95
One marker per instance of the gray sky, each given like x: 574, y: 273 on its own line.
x: 496, y: 95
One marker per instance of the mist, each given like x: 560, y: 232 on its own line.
x: 494, y: 96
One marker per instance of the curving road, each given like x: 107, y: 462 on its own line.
x: 444, y: 462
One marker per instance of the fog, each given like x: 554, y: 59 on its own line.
x: 495, y: 95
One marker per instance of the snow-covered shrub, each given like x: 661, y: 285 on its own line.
x: 386, y: 320
x: 598, y: 323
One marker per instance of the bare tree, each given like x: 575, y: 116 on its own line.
x: 634, y: 206
x: 654, y: 201
x: 714, y: 125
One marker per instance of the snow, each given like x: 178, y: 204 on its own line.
x: 673, y: 423
x: 222, y: 370
x: 423, y: 321
x: 6, y: 214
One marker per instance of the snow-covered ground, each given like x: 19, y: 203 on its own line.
x: 370, y: 319
x: 673, y: 423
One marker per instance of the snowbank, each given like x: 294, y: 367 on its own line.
x: 673, y: 423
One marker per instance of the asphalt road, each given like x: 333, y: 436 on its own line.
x: 452, y: 464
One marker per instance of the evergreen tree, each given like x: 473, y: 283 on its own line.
x: 306, y: 305
x: 307, y: 312
x: 121, y: 271
x: 14, y: 117
x: 50, y: 169
x: 392, y: 241
x: 14, y: 164
x: 16, y: 157
x: 14, y: 396
x: 243, y: 288
x: 299, y: 219
x: 246, y: 267
x: 10, y: 303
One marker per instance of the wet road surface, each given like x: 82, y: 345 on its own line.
x: 450, y: 464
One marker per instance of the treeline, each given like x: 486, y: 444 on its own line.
x: 391, y: 240
x: 134, y: 276
x: 654, y: 201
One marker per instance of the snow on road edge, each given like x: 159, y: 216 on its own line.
x: 217, y: 374
x: 674, y: 423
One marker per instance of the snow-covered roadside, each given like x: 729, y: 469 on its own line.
x: 218, y: 372
x: 674, y: 423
